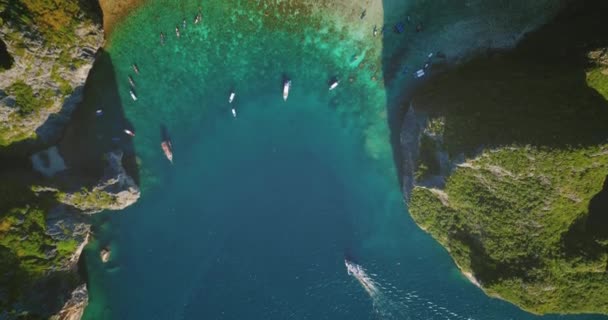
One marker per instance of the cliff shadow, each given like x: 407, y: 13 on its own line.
x: 587, y: 237
x: 6, y: 60
x: 535, y: 94
x: 98, y: 125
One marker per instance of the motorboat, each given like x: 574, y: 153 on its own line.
x: 286, y: 87
x: 167, y: 149
x: 177, y: 31
x: 184, y: 24
x: 131, y: 82
x: 420, y: 73
x: 233, y: 112
x: 198, y: 18
x: 129, y: 132
x: 231, y: 97
x: 375, y: 31
x: 135, y: 68
x: 133, y: 96
x: 333, y: 85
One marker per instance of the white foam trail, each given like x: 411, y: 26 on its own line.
x: 394, y: 303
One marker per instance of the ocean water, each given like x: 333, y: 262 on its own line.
x: 255, y: 217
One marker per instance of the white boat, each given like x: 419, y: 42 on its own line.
x: 231, y: 98
x: 333, y: 85
x: 177, y: 31
x: 286, y: 87
x: 420, y: 73
x: 233, y: 112
x: 129, y: 132
x: 133, y: 96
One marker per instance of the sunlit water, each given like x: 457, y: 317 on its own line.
x: 257, y: 213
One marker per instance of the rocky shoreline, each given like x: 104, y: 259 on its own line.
x: 34, y: 113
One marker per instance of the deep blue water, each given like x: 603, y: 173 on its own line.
x: 255, y: 217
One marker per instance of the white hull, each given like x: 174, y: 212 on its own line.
x: 286, y: 87
x: 234, y: 112
x: 231, y: 98
x: 133, y: 96
x: 333, y: 86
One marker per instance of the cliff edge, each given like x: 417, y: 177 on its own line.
x: 47, y: 49
x: 512, y: 163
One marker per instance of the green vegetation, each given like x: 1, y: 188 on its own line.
x: 518, y: 214
x: 25, y: 99
x: 88, y: 200
x: 27, y: 253
x: 428, y: 164
x: 516, y: 219
x: 597, y: 78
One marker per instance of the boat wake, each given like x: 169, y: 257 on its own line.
x: 390, y: 302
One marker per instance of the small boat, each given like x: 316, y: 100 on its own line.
x: 333, y: 85
x: 198, y: 18
x: 363, y: 14
x: 231, y: 97
x: 286, y: 87
x: 420, y: 73
x: 131, y: 82
x: 375, y: 32
x: 133, y: 96
x: 184, y: 24
x: 233, y: 112
x: 162, y: 38
x: 129, y: 132
x: 135, y: 68
x: 99, y: 112
x: 177, y: 31
x: 167, y: 149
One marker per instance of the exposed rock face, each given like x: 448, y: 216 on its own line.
x: 115, y: 191
x: 74, y: 308
x: 105, y: 254
x: 56, y: 74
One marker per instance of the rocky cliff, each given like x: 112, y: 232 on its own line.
x: 509, y: 163
x: 47, y: 49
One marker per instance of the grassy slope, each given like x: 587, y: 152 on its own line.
x: 517, y: 214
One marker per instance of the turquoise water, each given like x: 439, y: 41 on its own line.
x: 255, y: 217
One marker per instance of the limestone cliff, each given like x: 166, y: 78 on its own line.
x: 47, y: 49
x: 511, y: 160
x: 49, y: 66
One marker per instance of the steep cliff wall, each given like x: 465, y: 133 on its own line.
x: 513, y: 156
x: 47, y: 50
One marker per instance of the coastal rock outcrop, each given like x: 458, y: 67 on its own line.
x: 47, y: 49
x: 116, y: 190
x: 525, y: 133
x: 74, y: 308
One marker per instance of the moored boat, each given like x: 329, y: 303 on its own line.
x: 333, y: 85
x: 167, y: 149
x: 233, y: 112
x: 133, y: 96
x: 286, y: 87
x: 177, y: 31
x: 129, y: 132
x: 231, y: 97
x: 131, y: 82
x: 135, y: 68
